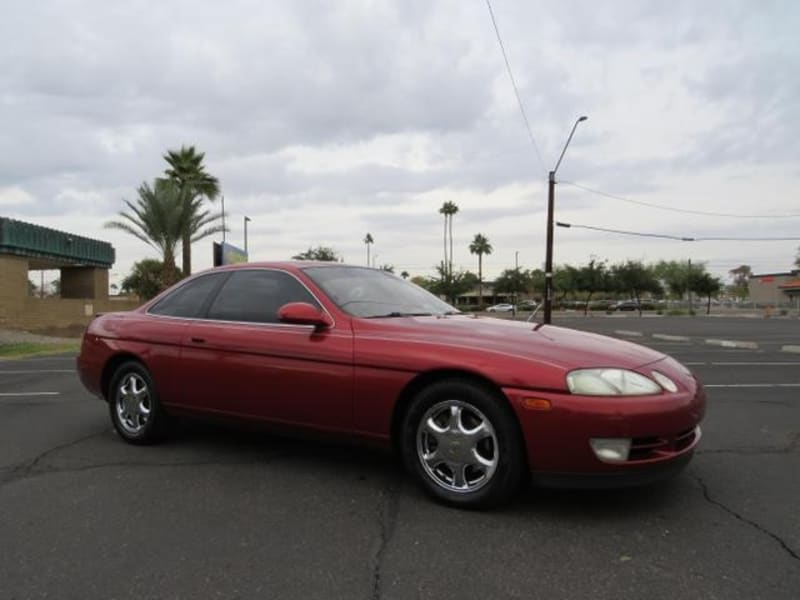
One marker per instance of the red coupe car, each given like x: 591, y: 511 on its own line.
x: 475, y: 406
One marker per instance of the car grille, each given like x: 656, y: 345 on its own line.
x: 645, y: 448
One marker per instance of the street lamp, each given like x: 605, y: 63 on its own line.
x: 246, y: 220
x: 548, y: 262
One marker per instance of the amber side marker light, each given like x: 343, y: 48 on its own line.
x: 536, y: 403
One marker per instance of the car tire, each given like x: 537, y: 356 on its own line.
x: 463, y: 444
x: 134, y: 405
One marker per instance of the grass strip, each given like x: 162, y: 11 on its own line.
x: 28, y: 349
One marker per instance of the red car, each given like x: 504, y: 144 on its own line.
x: 475, y: 406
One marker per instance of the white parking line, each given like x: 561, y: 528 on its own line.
x: 743, y: 364
x: 751, y: 385
x: 26, y: 394
x: 629, y: 333
x: 23, y: 372
x: 671, y: 338
x: 791, y: 348
x: 732, y: 344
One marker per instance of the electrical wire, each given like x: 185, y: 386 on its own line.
x: 680, y: 210
x: 516, y: 90
x: 680, y: 238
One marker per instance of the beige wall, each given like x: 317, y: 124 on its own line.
x: 765, y: 289
x: 85, y: 294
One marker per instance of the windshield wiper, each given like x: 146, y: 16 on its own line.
x: 400, y: 314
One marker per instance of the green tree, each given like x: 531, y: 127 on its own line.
x: 741, y: 277
x: 565, y: 281
x: 320, y: 253
x: 405, y: 275
x: 186, y: 169
x: 590, y: 279
x: 145, y: 279
x: 797, y: 258
x: 513, y: 282
x: 448, y: 209
x: 158, y: 219
x: 368, y: 241
x: 634, y: 278
x: 451, y: 284
x: 480, y: 245
x: 677, y: 275
x: 705, y: 284
x: 388, y: 268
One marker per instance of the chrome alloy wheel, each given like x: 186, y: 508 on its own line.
x: 457, y: 446
x: 133, y: 403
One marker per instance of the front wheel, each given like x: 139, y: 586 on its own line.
x: 463, y: 444
x: 134, y: 405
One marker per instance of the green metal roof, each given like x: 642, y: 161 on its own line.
x: 26, y: 239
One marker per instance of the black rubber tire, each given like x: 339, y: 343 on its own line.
x: 511, y: 469
x: 156, y: 426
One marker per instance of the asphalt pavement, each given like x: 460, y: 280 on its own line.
x: 218, y: 512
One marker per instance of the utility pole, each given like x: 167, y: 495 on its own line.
x: 548, y: 262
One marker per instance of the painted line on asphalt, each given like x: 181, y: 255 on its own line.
x: 27, y: 371
x: 672, y: 338
x: 629, y: 333
x: 743, y: 364
x: 732, y: 344
x: 791, y: 348
x: 27, y: 394
x: 751, y: 385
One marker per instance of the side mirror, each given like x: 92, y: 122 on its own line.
x: 303, y: 313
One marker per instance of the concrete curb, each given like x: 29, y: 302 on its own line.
x: 733, y: 344
x: 629, y: 333
x: 790, y: 348
x: 672, y: 338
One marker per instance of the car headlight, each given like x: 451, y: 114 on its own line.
x: 611, y: 382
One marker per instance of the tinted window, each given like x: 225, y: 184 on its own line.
x: 188, y: 300
x: 256, y: 296
x: 364, y: 292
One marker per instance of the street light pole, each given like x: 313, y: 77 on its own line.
x: 246, y: 220
x: 548, y: 261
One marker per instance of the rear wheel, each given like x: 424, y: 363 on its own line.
x: 462, y: 442
x: 134, y: 406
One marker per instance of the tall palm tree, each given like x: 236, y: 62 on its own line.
x: 368, y: 241
x: 155, y: 218
x: 480, y: 245
x: 448, y: 209
x: 160, y: 217
x: 187, y: 170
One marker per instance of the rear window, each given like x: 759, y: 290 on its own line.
x: 189, y: 300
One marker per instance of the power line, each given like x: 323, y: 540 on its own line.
x: 681, y: 238
x: 516, y: 90
x: 680, y: 210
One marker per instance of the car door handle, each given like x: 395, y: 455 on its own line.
x: 197, y: 340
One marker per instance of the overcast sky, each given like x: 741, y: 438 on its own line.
x: 328, y: 120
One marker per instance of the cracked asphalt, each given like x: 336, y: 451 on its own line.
x: 219, y: 512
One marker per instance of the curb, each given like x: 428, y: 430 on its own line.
x: 672, y: 338
x: 629, y: 333
x: 795, y: 349
x: 733, y: 344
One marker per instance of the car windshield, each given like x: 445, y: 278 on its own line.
x: 370, y: 293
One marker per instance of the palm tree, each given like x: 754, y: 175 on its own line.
x: 480, y: 245
x: 155, y: 218
x: 448, y: 209
x: 161, y: 216
x: 368, y: 241
x: 187, y: 170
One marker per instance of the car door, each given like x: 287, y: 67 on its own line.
x: 240, y: 360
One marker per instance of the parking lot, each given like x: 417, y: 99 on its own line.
x: 217, y: 512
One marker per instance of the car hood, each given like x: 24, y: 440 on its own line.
x: 546, y: 344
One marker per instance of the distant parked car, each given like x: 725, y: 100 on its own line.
x: 632, y: 305
x: 501, y: 308
x: 528, y: 305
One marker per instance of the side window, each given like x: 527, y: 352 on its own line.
x: 188, y: 300
x: 256, y: 296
